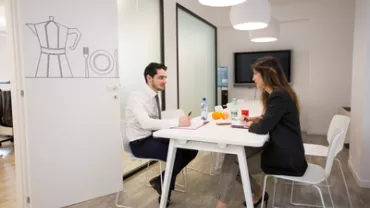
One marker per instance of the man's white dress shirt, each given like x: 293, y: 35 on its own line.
x: 141, y: 115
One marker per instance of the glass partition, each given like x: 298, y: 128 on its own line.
x: 196, y: 42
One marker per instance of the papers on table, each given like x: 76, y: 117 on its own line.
x: 195, y: 124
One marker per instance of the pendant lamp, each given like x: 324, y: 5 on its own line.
x: 267, y: 34
x: 251, y: 15
x: 220, y: 3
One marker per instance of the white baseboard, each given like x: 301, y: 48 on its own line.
x: 361, y: 183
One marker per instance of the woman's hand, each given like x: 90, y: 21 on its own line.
x: 249, y: 123
x: 242, y: 118
x: 255, y: 119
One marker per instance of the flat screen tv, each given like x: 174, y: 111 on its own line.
x: 243, y: 72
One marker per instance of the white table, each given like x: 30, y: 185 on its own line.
x: 214, y: 138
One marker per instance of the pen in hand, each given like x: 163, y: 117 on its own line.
x: 189, y: 114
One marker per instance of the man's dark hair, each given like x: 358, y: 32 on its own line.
x: 152, y: 68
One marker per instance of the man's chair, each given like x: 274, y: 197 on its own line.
x: 315, y: 174
x: 126, y: 148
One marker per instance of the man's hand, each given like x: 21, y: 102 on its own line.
x: 185, y: 121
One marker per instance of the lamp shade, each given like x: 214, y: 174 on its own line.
x: 2, y: 24
x: 267, y: 34
x: 220, y: 3
x: 251, y: 15
x: 2, y: 20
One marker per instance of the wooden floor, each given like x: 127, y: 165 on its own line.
x: 202, y: 189
x: 7, y: 177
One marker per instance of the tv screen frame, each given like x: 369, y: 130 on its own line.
x: 268, y: 53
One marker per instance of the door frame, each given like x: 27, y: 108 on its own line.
x: 15, y: 64
x: 178, y: 7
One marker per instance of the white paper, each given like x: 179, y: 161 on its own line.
x: 195, y: 123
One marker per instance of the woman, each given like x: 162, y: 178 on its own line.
x: 284, y: 153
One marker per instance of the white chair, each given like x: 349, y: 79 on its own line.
x: 127, y: 149
x: 338, y: 121
x: 315, y: 174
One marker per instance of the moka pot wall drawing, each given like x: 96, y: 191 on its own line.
x: 52, y: 37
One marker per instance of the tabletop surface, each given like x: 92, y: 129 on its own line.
x: 220, y: 134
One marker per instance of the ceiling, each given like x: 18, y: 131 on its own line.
x: 284, y: 2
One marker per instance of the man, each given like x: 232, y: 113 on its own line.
x: 143, y: 116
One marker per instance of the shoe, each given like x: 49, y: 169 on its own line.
x: 266, y: 199
x: 157, y: 186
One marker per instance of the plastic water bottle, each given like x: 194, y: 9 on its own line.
x: 204, y: 109
x: 234, y: 111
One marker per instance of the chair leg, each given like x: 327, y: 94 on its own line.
x: 119, y: 190
x: 200, y: 171
x: 264, y: 190
x: 183, y: 190
x: 331, y: 197
x: 345, y: 183
x: 322, y: 198
x: 274, y: 193
x: 146, y: 175
x: 117, y: 197
x: 301, y: 204
x: 182, y: 186
x: 160, y: 172
x: 185, y: 176
x: 291, y: 193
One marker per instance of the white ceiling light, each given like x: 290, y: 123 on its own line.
x: 251, y: 15
x: 2, y: 19
x: 268, y: 34
x: 220, y: 3
x: 2, y: 24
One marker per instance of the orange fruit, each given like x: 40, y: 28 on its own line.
x: 216, y: 115
x: 225, y: 115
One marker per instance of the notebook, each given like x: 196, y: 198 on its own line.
x: 239, y: 125
x: 195, y: 124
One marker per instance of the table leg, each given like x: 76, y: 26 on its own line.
x: 244, y: 173
x: 171, y: 155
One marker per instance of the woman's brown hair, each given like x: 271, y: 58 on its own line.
x: 273, y: 76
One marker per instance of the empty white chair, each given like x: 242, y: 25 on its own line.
x: 315, y: 174
x: 338, y: 121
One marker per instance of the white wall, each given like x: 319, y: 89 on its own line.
x: 359, y: 131
x: 320, y: 34
x: 4, y: 70
x: 231, y: 41
x: 321, y: 40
